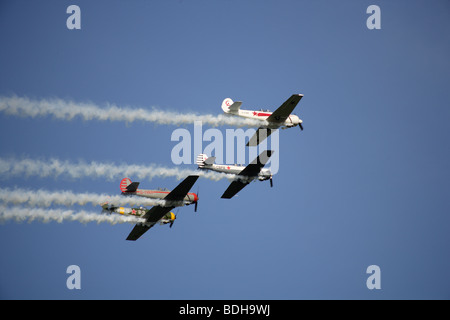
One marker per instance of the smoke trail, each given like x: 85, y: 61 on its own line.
x: 68, y: 110
x: 54, y: 168
x: 43, y: 198
x: 20, y: 214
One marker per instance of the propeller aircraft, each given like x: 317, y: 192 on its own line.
x: 281, y: 117
x: 177, y: 197
x: 245, y: 174
x: 130, y: 188
x: 138, y: 212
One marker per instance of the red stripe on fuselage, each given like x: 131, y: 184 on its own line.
x: 151, y: 191
x: 157, y: 191
x: 261, y: 114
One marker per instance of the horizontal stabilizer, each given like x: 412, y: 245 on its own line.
x: 235, y: 107
x: 132, y: 187
x: 210, y: 160
x: 202, y: 160
x: 229, y: 106
x: 127, y: 186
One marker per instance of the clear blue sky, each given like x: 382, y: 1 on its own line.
x: 366, y: 183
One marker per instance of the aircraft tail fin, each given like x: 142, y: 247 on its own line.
x: 229, y: 106
x: 203, y: 160
x: 127, y: 186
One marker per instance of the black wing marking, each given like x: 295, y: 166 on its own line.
x: 156, y: 213
x: 283, y: 112
x: 260, y: 135
x: 153, y: 215
x: 138, y: 231
x: 250, y: 171
x: 255, y: 166
x: 234, y: 188
x: 182, y: 189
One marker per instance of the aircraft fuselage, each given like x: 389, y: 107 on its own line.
x: 161, y: 194
x: 291, y: 121
x: 264, y: 174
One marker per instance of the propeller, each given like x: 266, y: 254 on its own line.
x: 301, y: 127
x: 271, y: 182
x: 198, y: 197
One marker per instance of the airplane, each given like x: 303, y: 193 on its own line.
x: 138, y: 212
x: 281, y: 117
x: 245, y: 174
x: 177, y: 197
x: 130, y: 188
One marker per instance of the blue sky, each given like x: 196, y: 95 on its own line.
x: 366, y: 182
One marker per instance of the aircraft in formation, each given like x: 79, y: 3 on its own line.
x: 281, y: 117
x: 137, y: 212
x: 130, y: 188
x: 244, y: 174
x: 181, y: 196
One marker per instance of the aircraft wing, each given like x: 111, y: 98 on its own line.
x: 182, y: 189
x: 283, y: 112
x: 252, y: 170
x: 260, y: 135
x: 138, y: 231
x: 157, y: 212
x: 152, y: 217
x: 255, y: 166
x: 234, y: 188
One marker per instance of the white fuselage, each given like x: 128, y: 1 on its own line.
x: 264, y: 174
x: 232, y: 169
x: 291, y: 121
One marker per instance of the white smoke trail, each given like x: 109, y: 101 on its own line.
x: 20, y: 214
x: 54, y: 168
x: 43, y: 198
x: 68, y: 110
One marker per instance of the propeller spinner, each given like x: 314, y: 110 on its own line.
x: 172, y: 220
